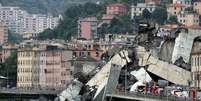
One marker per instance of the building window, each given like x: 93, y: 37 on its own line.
x: 89, y: 54
x: 97, y: 54
x: 80, y: 53
x: 200, y: 60
x: 62, y: 81
x: 151, y: 9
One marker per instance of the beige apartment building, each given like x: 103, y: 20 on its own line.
x: 197, y: 6
x: 44, y: 67
x: 188, y: 18
x: 3, y: 33
x: 175, y: 9
x: 196, y: 65
x: 187, y: 3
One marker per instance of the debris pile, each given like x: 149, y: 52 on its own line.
x: 136, y: 70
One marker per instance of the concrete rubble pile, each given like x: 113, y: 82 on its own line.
x: 99, y: 81
x: 142, y: 72
x: 72, y: 92
x: 139, y: 77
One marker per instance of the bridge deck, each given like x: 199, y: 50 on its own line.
x: 30, y: 91
x: 143, y: 97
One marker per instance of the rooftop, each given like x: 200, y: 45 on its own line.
x: 86, y: 58
x: 116, y: 4
x: 88, y: 19
x: 170, y: 26
x: 177, y: 5
x: 193, y: 27
x: 144, y: 5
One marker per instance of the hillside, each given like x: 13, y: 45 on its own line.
x: 44, y: 6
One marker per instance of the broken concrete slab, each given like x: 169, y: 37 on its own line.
x: 72, y: 92
x: 141, y: 75
x: 101, y: 78
x: 184, y: 44
x: 167, y: 71
x: 104, y: 72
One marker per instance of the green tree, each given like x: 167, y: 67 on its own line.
x: 146, y: 14
x: 159, y: 15
x: 103, y: 30
x: 118, y: 25
x: 173, y: 19
x: 9, y: 69
x: 54, y: 7
x: 14, y: 38
x: 127, y: 2
x: 68, y: 26
x: 48, y: 33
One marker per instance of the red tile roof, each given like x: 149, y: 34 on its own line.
x: 170, y: 26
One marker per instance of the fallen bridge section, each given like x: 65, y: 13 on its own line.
x: 184, y: 44
x: 101, y: 78
x: 119, y: 59
x: 167, y: 71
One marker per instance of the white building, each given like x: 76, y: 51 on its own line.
x: 138, y: 9
x: 12, y: 17
x: 21, y: 22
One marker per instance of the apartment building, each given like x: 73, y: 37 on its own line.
x: 196, y: 65
x: 21, y: 22
x: 3, y: 34
x: 197, y: 6
x: 188, y: 18
x: 175, y: 9
x: 43, y: 66
x: 138, y: 9
x: 116, y: 9
x: 12, y: 17
x: 87, y: 48
x: 87, y: 27
x: 187, y: 3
